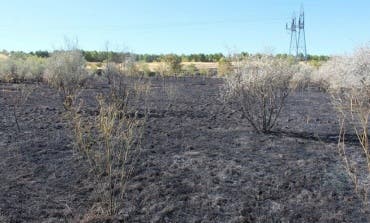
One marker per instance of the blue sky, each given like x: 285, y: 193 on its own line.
x: 191, y: 26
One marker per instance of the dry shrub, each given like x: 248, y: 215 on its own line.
x: 129, y: 66
x: 141, y: 90
x: 66, y: 71
x: 4, y: 219
x: 111, y: 141
x: 348, y: 78
x: 162, y: 69
x: 111, y: 71
x: 171, y: 92
x: 302, y: 78
x: 19, y: 100
x: 331, y: 73
x: 259, y: 88
x: 123, y: 66
x: 224, y: 67
x: 18, y: 69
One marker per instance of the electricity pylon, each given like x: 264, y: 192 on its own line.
x: 292, y: 28
x: 302, y: 49
x: 297, y: 46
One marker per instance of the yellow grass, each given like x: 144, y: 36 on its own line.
x: 3, y: 57
x: 154, y: 65
x: 199, y: 65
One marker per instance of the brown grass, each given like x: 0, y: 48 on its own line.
x: 200, y: 65
x: 3, y: 57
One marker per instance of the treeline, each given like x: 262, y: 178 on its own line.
x: 101, y: 56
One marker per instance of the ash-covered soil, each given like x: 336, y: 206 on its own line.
x: 199, y: 162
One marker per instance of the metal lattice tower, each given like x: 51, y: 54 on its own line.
x: 302, y: 49
x: 297, y: 46
x: 292, y: 28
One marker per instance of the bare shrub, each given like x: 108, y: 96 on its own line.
x: 141, y: 89
x: 302, y: 78
x: 17, y: 69
x: 33, y: 68
x: 17, y: 101
x: 348, y: 78
x: 173, y: 63
x: 171, y: 92
x: 129, y: 65
x: 111, y: 71
x: 190, y: 70
x: 126, y: 68
x: 66, y: 71
x: 161, y: 69
x: 120, y: 64
x: 259, y: 88
x: 224, y: 67
x: 332, y: 73
x: 4, y: 219
x: 111, y: 140
x: 20, y: 100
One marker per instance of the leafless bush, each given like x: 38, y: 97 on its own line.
x: 331, y: 73
x: 171, y: 92
x: 111, y: 139
x: 129, y: 65
x: 4, y: 219
x: 124, y: 68
x: 111, y: 71
x: 348, y: 78
x: 141, y: 89
x: 259, y: 88
x: 66, y: 72
x: 23, y: 93
x: 302, y: 78
x: 123, y: 64
x: 14, y: 69
x: 224, y: 67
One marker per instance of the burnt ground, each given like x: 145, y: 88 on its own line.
x: 199, y: 162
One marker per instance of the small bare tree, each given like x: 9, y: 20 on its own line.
x: 259, y: 88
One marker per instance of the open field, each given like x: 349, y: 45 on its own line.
x: 154, y: 66
x: 200, y: 65
x: 199, y: 162
x: 3, y: 57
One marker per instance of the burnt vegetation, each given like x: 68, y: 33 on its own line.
x: 265, y: 138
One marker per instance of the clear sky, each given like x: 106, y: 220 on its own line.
x: 191, y: 26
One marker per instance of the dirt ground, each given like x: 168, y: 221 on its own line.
x: 199, y: 162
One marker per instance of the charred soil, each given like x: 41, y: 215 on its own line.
x: 199, y: 161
